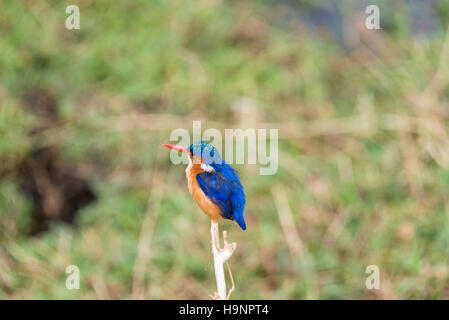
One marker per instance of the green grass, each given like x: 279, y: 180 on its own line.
x: 365, y: 170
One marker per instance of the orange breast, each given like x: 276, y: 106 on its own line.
x: 198, y: 195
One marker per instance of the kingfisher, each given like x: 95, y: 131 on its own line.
x: 213, y: 183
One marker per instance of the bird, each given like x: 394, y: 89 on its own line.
x: 216, y: 188
x: 213, y: 183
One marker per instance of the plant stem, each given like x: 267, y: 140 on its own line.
x: 220, y: 257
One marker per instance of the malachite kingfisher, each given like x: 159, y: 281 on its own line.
x: 213, y: 183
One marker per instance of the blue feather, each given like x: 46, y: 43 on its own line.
x: 222, y: 186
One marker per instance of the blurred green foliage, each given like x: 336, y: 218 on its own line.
x: 364, y: 169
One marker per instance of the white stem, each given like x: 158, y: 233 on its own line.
x: 220, y: 257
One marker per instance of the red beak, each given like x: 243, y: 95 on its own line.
x: 177, y: 148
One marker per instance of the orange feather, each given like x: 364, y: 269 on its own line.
x: 208, y: 207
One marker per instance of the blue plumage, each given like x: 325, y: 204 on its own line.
x: 222, y: 186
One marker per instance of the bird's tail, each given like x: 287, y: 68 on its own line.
x: 240, y: 221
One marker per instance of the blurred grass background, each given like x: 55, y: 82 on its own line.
x: 363, y: 151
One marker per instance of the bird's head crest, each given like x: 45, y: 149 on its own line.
x: 206, y: 151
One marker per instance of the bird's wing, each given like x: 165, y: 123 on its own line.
x: 224, y: 189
